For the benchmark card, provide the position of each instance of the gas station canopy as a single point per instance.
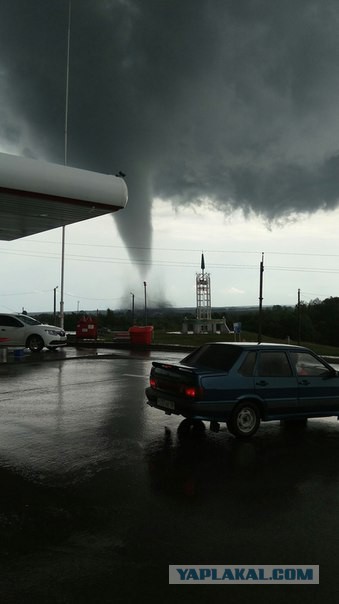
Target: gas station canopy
(36, 196)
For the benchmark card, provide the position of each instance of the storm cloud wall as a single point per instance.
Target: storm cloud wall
(234, 102)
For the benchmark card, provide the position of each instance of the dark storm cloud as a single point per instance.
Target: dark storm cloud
(235, 101)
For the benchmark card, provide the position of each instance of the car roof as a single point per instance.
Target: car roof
(256, 346)
(16, 315)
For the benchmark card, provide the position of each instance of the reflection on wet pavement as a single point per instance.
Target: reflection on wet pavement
(100, 493)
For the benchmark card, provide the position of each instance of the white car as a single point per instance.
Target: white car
(22, 330)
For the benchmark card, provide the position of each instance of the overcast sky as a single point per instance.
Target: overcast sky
(223, 114)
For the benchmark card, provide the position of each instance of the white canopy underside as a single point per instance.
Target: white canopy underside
(36, 196)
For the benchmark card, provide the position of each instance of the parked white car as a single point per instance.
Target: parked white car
(22, 330)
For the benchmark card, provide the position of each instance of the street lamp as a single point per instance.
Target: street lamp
(54, 298)
(132, 307)
(145, 285)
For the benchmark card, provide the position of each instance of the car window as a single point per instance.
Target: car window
(213, 357)
(8, 321)
(306, 364)
(274, 364)
(247, 367)
(29, 320)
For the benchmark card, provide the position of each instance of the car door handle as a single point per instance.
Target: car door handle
(304, 382)
(262, 383)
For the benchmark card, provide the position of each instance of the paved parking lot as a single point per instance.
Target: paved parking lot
(99, 495)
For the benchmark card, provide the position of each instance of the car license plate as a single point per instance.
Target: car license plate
(167, 404)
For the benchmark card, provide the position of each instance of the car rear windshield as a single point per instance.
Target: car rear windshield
(213, 356)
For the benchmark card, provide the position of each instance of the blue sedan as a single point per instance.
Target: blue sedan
(243, 384)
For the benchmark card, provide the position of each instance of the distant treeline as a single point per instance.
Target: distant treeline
(315, 321)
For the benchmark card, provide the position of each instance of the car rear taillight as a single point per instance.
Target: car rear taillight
(152, 382)
(193, 392)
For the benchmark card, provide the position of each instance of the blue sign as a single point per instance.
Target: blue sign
(237, 327)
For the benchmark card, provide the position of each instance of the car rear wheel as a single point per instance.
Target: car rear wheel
(245, 420)
(35, 343)
(191, 426)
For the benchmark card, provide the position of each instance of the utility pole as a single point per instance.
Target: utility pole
(261, 297)
(299, 318)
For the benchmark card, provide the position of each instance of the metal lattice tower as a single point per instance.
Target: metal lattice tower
(203, 290)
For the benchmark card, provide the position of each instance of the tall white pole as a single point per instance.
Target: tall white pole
(67, 78)
(65, 161)
(62, 278)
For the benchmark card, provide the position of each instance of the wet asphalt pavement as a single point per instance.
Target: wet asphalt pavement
(99, 495)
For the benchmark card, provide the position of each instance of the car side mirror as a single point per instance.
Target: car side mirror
(332, 373)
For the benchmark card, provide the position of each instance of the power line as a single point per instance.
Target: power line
(77, 296)
(194, 250)
(171, 264)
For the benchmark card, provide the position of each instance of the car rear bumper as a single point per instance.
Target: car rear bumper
(205, 410)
